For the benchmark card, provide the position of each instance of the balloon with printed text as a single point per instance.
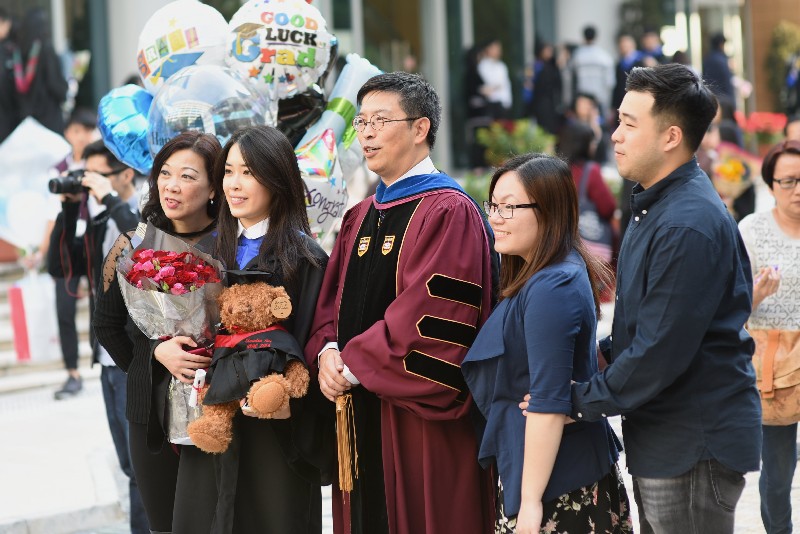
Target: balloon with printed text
(180, 34)
(282, 46)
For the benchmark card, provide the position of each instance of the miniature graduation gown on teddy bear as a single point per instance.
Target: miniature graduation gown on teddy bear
(254, 358)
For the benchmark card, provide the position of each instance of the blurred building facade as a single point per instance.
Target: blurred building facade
(431, 36)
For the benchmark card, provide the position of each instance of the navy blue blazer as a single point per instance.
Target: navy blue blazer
(537, 342)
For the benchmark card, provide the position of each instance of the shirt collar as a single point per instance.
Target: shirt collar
(423, 167)
(642, 199)
(254, 232)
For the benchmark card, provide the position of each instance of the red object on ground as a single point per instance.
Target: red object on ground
(21, 344)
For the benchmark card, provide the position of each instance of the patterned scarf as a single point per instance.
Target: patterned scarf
(23, 81)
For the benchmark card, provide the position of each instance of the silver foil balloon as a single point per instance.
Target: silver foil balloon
(207, 98)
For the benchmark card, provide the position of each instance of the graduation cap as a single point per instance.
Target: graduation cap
(246, 277)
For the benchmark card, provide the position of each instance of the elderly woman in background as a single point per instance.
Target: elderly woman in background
(772, 239)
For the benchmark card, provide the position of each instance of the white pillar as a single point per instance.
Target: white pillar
(126, 20)
(436, 71)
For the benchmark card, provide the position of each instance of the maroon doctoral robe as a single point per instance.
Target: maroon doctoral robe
(405, 290)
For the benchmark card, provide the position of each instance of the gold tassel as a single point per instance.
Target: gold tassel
(346, 442)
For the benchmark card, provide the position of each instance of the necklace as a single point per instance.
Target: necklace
(23, 81)
(196, 233)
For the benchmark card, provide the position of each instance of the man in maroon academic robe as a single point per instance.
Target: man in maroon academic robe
(407, 286)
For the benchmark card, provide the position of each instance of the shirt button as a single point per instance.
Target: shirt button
(623, 417)
(580, 415)
(604, 415)
(644, 212)
(636, 218)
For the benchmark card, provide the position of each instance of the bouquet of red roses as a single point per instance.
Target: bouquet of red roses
(170, 287)
(169, 271)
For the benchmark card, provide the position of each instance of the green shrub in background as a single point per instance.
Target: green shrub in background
(504, 139)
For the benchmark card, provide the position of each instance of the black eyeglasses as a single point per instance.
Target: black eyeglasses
(506, 211)
(359, 123)
(787, 183)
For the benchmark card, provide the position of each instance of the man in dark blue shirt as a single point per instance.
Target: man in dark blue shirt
(681, 372)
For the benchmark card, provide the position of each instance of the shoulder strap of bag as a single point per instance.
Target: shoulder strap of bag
(584, 183)
(768, 364)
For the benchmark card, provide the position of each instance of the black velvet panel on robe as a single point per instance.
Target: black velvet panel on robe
(371, 282)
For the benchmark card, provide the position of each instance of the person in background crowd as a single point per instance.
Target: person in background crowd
(792, 90)
(409, 265)
(717, 72)
(553, 477)
(497, 84)
(576, 144)
(66, 261)
(792, 129)
(477, 105)
(544, 84)
(593, 70)
(9, 106)
(38, 77)
(772, 239)
(681, 371)
(108, 205)
(652, 48)
(629, 57)
(183, 201)
(586, 110)
(709, 157)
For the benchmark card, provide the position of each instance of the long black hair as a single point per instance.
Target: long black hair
(270, 157)
(204, 145)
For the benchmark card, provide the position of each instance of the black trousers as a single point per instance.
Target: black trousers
(178, 489)
(66, 303)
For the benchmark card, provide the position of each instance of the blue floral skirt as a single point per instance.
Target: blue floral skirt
(601, 508)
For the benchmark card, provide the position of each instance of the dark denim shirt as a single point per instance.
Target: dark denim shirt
(681, 374)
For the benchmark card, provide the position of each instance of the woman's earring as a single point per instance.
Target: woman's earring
(211, 201)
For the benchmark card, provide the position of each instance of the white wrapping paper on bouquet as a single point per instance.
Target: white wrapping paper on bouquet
(162, 315)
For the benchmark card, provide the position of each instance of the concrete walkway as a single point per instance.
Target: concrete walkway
(59, 472)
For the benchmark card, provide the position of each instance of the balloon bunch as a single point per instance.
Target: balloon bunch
(265, 66)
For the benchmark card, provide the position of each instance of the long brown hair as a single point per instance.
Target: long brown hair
(270, 157)
(548, 182)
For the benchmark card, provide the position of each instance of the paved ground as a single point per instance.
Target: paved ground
(59, 473)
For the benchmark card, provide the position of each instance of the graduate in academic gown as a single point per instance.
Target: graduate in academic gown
(408, 285)
(269, 478)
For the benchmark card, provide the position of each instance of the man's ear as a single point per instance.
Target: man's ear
(127, 175)
(421, 128)
(673, 137)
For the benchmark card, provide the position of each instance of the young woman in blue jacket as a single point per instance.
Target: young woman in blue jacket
(555, 475)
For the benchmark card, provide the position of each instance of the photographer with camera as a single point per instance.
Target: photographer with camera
(100, 202)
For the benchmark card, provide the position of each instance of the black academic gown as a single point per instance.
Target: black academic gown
(269, 478)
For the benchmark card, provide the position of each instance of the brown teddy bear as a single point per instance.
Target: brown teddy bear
(254, 359)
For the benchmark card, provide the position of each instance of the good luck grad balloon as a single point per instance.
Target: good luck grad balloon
(281, 45)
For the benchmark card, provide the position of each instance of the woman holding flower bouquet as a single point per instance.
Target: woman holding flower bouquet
(183, 202)
(274, 466)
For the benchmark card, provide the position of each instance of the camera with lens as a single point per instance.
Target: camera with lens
(68, 184)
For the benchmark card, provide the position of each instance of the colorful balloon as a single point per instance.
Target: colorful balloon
(281, 45)
(208, 98)
(180, 34)
(122, 118)
(341, 106)
(326, 190)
